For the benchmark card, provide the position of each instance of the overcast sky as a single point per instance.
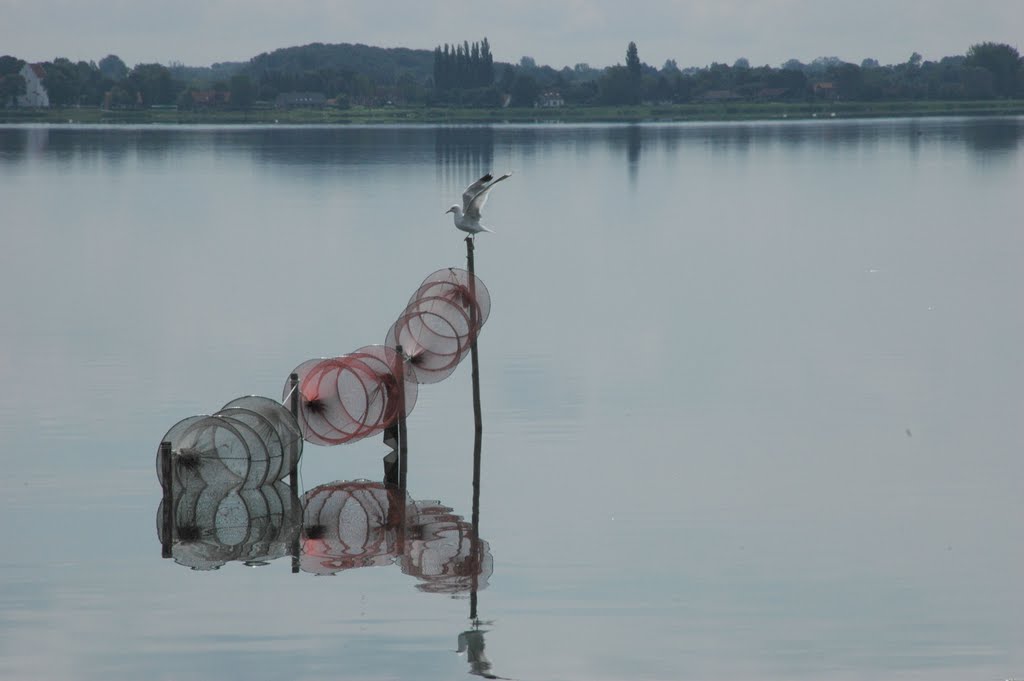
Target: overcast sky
(554, 32)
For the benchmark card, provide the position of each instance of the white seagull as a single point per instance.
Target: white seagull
(467, 217)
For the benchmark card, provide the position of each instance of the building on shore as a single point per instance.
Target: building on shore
(35, 92)
(300, 100)
(549, 99)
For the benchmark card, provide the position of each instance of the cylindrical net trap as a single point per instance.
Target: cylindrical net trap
(348, 525)
(235, 446)
(346, 398)
(283, 423)
(440, 323)
(458, 285)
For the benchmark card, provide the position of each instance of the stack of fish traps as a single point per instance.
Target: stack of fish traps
(227, 469)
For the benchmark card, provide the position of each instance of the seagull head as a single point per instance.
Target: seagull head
(454, 209)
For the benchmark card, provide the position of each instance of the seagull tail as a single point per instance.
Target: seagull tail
(484, 229)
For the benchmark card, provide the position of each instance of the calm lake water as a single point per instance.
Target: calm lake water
(751, 396)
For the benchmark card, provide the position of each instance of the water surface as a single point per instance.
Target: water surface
(751, 395)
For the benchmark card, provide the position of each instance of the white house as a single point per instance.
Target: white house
(549, 99)
(35, 93)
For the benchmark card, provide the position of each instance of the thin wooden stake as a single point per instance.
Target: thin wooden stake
(478, 429)
(168, 488)
(403, 445)
(473, 353)
(293, 475)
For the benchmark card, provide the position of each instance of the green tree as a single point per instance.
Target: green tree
(184, 101)
(632, 60)
(124, 96)
(10, 65)
(113, 68)
(1002, 61)
(848, 78)
(12, 86)
(62, 82)
(463, 67)
(153, 82)
(92, 86)
(661, 90)
(243, 91)
(407, 90)
(486, 67)
(616, 86)
(633, 71)
(977, 82)
(524, 90)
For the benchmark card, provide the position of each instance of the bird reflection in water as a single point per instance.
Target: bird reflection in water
(471, 642)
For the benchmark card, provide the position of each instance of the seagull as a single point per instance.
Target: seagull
(467, 217)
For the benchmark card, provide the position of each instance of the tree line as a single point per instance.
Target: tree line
(987, 70)
(466, 75)
(463, 66)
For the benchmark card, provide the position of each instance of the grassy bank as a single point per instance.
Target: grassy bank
(737, 111)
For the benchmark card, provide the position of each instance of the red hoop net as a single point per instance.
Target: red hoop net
(347, 398)
(458, 285)
(348, 525)
(440, 323)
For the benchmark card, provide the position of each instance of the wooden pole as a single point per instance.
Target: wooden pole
(473, 353)
(391, 458)
(475, 361)
(474, 539)
(167, 472)
(403, 447)
(293, 474)
(477, 430)
(293, 405)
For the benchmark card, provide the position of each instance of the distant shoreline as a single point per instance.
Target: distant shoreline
(710, 112)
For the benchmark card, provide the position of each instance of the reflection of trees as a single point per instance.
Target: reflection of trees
(629, 139)
(999, 135)
(13, 143)
(318, 146)
(462, 152)
(72, 144)
(634, 144)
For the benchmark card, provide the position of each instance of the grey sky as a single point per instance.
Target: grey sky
(555, 32)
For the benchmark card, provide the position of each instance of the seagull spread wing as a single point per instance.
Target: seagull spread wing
(474, 189)
(475, 196)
